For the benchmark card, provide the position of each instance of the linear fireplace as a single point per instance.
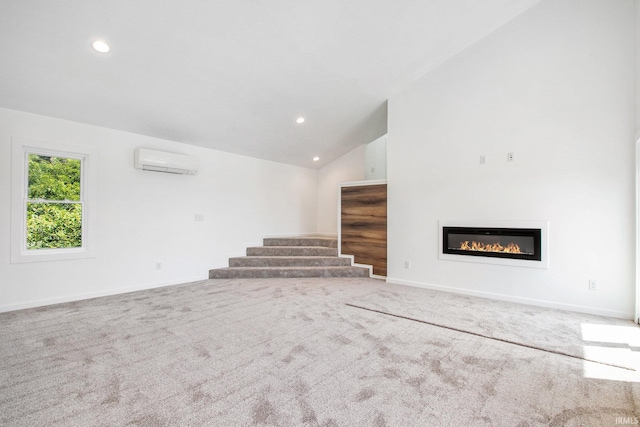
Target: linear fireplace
(514, 243)
(495, 243)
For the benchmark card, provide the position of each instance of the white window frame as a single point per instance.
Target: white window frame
(20, 150)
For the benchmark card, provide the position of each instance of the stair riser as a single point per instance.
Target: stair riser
(291, 251)
(289, 262)
(301, 241)
(268, 273)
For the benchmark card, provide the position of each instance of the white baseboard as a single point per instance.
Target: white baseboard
(323, 234)
(285, 236)
(510, 298)
(90, 295)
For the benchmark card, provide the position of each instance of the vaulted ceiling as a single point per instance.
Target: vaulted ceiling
(234, 75)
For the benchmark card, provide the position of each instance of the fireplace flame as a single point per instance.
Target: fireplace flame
(490, 247)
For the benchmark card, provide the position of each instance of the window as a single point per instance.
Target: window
(52, 204)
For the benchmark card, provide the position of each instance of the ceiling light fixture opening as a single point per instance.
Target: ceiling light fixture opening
(300, 120)
(100, 46)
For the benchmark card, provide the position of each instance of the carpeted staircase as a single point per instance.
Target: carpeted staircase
(291, 257)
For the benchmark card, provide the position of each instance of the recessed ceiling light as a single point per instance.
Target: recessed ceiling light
(300, 120)
(316, 158)
(100, 46)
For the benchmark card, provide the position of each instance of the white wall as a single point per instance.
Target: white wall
(375, 159)
(556, 87)
(147, 217)
(348, 168)
(637, 73)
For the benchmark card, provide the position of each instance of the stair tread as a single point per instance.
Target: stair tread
(285, 256)
(326, 239)
(323, 239)
(304, 267)
(295, 248)
(291, 251)
(288, 272)
(288, 247)
(289, 260)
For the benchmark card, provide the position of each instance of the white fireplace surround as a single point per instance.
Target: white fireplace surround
(544, 245)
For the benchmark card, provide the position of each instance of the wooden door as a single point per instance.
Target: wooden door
(363, 225)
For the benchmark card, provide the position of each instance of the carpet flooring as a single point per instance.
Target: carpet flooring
(313, 352)
(551, 330)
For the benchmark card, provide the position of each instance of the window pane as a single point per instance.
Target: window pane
(54, 225)
(54, 178)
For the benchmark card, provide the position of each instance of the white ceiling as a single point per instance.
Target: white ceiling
(233, 75)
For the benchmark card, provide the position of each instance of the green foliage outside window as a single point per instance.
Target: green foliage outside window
(52, 225)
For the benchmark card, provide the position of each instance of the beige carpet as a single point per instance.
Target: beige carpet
(291, 352)
(562, 332)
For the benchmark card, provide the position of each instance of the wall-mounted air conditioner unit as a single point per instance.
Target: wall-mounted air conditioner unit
(160, 161)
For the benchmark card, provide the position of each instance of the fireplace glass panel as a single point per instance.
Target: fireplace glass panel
(515, 243)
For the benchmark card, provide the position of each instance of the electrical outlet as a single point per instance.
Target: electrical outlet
(593, 285)
(158, 266)
(509, 157)
(483, 160)
(407, 265)
(198, 217)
